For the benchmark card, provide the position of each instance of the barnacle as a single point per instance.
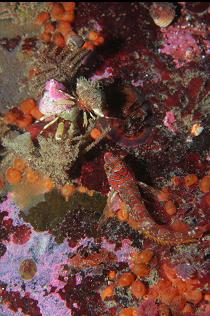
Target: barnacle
(60, 64)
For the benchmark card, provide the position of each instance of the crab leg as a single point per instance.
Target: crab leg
(59, 131)
(51, 123)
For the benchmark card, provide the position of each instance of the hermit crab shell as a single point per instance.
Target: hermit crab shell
(55, 100)
(162, 13)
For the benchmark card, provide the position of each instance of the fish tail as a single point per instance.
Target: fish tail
(165, 236)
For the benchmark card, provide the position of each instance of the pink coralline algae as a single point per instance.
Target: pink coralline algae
(7, 312)
(49, 258)
(52, 304)
(123, 253)
(169, 121)
(180, 44)
(13, 211)
(108, 73)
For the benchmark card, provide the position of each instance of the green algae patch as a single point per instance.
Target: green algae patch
(75, 219)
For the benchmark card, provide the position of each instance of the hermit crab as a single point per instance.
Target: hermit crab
(58, 105)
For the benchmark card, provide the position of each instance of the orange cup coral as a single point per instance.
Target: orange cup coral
(9, 117)
(19, 164)
(27, 105)
(129, 311)
(126, 279)
(25, 121)
(36, 114)
(95, 133)
(42, 18)
(205, 184)
(31, 176)
(190, 180)
(142, 257)
(107, 292)
(138, 289)
(59, 40)
(112, 275)
(57, 11)
(141, 270)
(69, 6)
(13, 175)
(122, 214)
(68, 190)
(170, 208)
(48, 183)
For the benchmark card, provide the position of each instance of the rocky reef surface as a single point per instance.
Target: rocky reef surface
(104, 139)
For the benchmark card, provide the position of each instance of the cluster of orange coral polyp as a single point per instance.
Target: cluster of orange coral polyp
(122, 214)
(58, 23)
(68, 190)
(49, 184)
(175, 292)
(129, 311)
(25, 115)
(94, 39)
(137, 287)
(95, 133)
(163, 195)
(20, 171)
(144, 256)
(13, 176)
(170, 208)
(191, 181)
(126, 279)
(205, 184)
(19, 164)
(108, 292)
(31, 175)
